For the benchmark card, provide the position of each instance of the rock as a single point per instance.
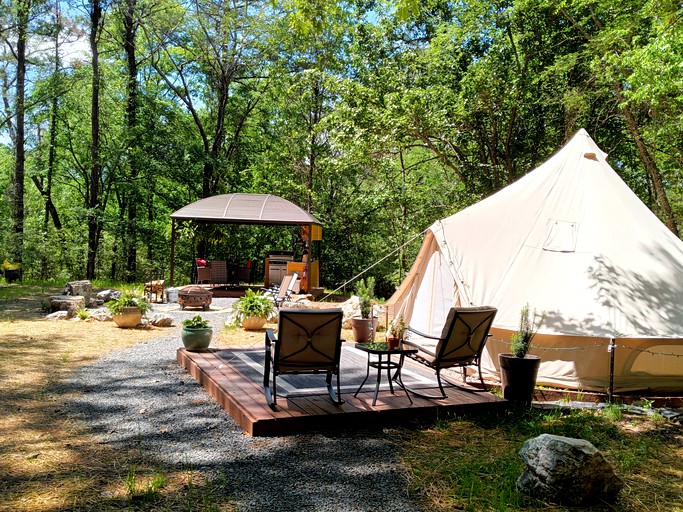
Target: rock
(161, 320)
(107, 295)
(301, 303)
(82, 288)
(93, 302)
(351, 309)
(101, 315)
(71, 303)
(58, 315)
(566, 470)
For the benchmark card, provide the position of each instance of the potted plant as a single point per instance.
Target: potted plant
(128, 309)
(252, 310)
(364, 327)
(11, 271)
(196, 333)
(519, 369)
(397, 332)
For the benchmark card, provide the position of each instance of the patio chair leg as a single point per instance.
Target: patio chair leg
(429, 397)
(481, 379)
(266, 378)
(330, 389)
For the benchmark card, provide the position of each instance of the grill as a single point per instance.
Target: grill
(277, 266)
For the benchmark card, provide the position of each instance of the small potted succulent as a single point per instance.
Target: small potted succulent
(196, 333)
(128, 309)
(253, 310)
(519, 369)
(397, 332)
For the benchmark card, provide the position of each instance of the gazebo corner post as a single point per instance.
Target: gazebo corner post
(309, 251)
(172, 252)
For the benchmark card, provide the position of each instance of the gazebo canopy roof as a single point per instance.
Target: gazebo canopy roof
(246, 209)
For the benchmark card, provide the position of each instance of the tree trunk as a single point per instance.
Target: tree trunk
(93, 198)
(17, 187)
(130, 243)
(650, 165)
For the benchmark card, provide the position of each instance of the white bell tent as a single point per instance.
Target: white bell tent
(571, 239)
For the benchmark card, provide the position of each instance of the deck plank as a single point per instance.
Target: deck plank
(243, 399)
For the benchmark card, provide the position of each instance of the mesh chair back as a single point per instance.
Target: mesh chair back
(308, 340)
(464, 335)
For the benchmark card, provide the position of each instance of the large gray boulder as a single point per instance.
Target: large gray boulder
(566, 470)
(107, 295)
(70, 303)
(82, 288)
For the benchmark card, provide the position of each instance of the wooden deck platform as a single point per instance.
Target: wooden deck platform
(238, 390)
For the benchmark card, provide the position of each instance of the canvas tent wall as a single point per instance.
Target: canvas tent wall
(569, 238)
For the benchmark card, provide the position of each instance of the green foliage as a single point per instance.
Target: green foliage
(83, 313)
(528, 327)
(398, 328)
(252, 304)
(128, 299)
(377, 117)
(196, 322)
(365, 289)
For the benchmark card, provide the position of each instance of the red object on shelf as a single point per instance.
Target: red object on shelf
(201, 262)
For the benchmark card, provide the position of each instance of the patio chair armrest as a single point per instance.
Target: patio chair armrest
(270, 338)
(410, 329)
(419, 347)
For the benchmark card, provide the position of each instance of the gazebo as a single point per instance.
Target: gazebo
(258, 209)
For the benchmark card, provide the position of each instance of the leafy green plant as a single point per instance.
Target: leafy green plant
(366, 292)
(528, 327)
(83, 313)
(196, 322)
(128, 299)
(398, 328)
(366, 289)
(253, 304)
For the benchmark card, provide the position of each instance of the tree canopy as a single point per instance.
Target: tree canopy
(377, 117)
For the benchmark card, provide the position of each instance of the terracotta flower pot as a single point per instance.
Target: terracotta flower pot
(253, 323)
(518, 377)
(129, 317)
(364, 329)
(197, 338)
(392, 342)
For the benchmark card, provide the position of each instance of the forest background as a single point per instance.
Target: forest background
(377, 117)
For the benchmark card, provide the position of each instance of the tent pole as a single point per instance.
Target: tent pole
(610, 349)
(172, 252)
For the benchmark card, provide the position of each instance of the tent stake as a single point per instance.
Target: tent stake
(610, 349)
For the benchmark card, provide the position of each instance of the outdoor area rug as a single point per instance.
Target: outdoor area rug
(353, 371)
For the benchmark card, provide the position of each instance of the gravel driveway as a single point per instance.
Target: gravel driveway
(141, 398)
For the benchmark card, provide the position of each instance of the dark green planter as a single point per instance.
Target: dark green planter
(518, 377)
(196, 339)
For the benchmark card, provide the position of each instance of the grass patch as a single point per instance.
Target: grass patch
(473, 464)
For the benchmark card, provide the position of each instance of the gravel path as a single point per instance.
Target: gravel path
(141, 398)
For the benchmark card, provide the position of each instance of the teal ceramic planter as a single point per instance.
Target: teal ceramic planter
(196, 339)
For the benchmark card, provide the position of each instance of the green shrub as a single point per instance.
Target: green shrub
(196, 322)
(253, 304)
(128, 299)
